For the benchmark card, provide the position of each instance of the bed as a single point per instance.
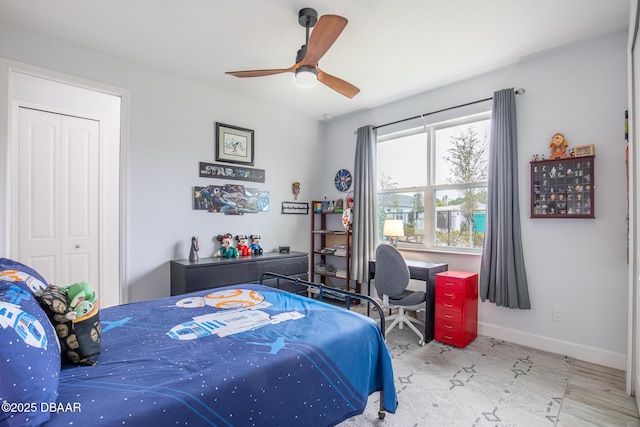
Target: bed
(244, 355)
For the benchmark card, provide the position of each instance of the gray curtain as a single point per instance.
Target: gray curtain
(503, 279)
(365, 204)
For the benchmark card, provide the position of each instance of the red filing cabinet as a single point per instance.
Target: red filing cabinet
(456, 307)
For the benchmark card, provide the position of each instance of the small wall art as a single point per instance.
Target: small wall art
(295, 208)
(585, 150)
(234, 144)
(230, 199)
(241, 173)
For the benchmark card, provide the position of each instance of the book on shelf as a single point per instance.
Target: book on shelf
(325, 268)
(340, 250)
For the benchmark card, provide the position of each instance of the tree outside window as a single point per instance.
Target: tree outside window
(454, 191)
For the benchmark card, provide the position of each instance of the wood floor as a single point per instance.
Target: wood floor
(596, 396)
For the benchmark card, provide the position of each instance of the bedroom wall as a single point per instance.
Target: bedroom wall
(577, 265)
(171, 130)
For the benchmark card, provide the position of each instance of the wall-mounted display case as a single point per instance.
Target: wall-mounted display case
(563, 188)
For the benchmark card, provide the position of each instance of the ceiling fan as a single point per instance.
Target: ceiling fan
(327, 29)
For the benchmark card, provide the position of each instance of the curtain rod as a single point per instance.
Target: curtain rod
(518, 92)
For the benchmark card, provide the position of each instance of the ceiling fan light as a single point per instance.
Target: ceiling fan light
(306, 75)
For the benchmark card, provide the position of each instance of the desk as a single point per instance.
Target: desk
(425, 271)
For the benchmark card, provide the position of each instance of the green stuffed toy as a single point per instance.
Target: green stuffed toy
(82, 297)
(79, 310)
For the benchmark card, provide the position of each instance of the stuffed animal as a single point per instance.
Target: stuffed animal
(78, 292)
(242, 247)
(255, 247)
(226, 250)
(558, 147)
(82, 309)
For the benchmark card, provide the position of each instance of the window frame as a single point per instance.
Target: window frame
(430, 190)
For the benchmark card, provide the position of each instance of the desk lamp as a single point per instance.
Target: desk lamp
(393, 229)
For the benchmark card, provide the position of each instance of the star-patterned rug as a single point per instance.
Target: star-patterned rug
(488, 383)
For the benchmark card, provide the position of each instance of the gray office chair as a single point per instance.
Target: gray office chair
(391, 281)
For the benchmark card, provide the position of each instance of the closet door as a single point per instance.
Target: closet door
(58, 196)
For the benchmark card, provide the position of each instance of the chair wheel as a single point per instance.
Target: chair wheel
(381, 414)
(421, 343)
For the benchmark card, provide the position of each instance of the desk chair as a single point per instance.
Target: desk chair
(391, 281)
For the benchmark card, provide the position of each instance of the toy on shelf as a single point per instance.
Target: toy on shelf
(226, 250)
(242, 247)
(558, 147)
(255, 247)
(193, 254)
(338, 206)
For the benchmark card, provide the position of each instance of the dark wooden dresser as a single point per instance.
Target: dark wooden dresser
(205, 273)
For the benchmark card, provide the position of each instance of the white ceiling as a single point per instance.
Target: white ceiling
(389, 49)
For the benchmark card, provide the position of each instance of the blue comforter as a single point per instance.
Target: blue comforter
(245, 355)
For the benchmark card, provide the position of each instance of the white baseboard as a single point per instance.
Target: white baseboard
(566, 348)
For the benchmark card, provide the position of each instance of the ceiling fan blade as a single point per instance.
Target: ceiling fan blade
(324, 34)
(260, 73)
(339, 85)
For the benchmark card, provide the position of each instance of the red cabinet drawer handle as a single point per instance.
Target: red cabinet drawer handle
(447, 294)
(448, 337)
(448, 284)
(447, 305)
(448, 326)
(448, 316)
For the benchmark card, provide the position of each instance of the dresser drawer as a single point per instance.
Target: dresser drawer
(225, 274)
(451, 283)
(458, 278)
(293, 266)
(450, 316)
(450, 327)
(451, 295)
(452, 337)
(449, 304)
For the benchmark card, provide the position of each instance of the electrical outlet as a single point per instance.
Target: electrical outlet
(557, 314)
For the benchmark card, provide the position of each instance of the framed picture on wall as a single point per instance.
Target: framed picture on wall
(584, 150)
(234, 144)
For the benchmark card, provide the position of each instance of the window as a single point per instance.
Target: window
(435, 180)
